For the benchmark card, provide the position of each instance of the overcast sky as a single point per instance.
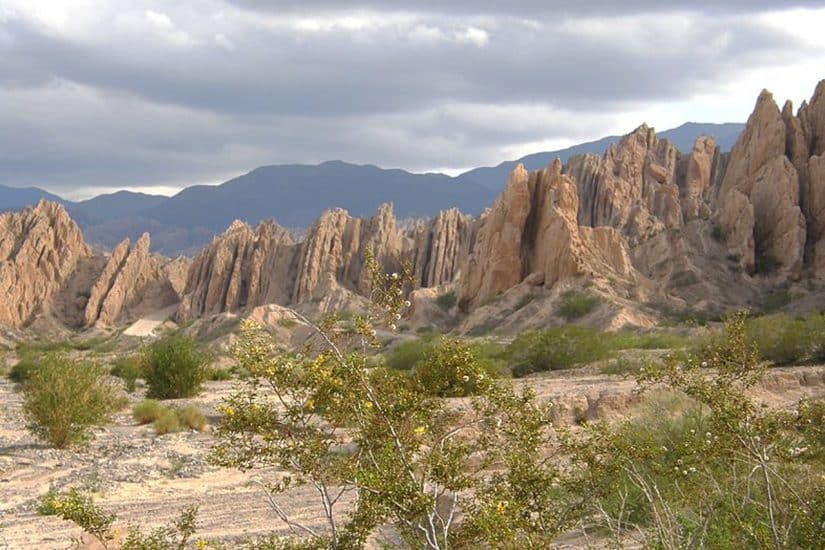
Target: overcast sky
(154, 95)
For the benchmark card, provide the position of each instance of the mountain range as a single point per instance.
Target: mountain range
(295, 195)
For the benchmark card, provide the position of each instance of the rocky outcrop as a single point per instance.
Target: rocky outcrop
(121, 284)
(39, 249)
(532, 232)
(239, 268)
(759, 173)
(442, 246)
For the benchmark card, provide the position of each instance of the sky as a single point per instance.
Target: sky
(153, 95)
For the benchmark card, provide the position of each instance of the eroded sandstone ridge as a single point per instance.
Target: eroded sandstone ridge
(39, 249)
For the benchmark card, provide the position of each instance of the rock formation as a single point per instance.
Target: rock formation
(239, 268)
(532, 232)
(441, 247)
(39, 249)
(124, 280)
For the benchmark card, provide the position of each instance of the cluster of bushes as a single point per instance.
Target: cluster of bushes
(783, 339)
(168, 419)
(64, 398)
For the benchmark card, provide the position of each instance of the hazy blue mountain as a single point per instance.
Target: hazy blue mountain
(494, 177)
(296, 194)
(15, 198)
(113, 206)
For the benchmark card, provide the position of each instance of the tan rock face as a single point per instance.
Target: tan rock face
(442, 245)
(699, 166)
(39, 249)
(532, 233)
(239, 268)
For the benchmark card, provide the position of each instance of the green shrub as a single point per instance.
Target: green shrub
(776, 299)
(447, 300)
(450, 369)
(782, 339)
(622, 366)
(766, 263)
(525, 300)
(174, 367)
(147, 411)
(129, 369)
(216, 374)
(658, 339)
(65, 397)
(192, 417)
(173, 537)
(79, 508)
(167, 422)
(574, 304)
(21, 371)
(287, 323)
(556, 348)
(406, 354)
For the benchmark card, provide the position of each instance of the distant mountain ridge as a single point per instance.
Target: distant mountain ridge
(295, 195)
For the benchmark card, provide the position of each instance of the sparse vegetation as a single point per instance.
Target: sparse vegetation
(64, 398)
(765, 263)
(174, 367)
(622, 366)
(447, 300)
(21, 371)
(79, 508)
(168, 419)
(782, 339)
(718, 233)
(526, 300)
(287, 323)
(407, 354)
(173, 537)
(574, 304)
(129, 369)
(776, 300)
(556, 348)
(217, 374)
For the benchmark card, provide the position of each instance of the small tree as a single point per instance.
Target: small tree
(64, 398)
(382, 442)
(174, 367)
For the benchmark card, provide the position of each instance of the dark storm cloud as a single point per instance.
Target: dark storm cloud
(183, 96)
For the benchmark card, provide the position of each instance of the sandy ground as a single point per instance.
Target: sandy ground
(146, 479)
(146, 325)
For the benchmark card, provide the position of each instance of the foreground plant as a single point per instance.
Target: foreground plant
(385, 445)
(64, 398)
(721, 471)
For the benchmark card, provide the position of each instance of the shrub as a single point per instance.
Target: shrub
(622, 366)
(167, 422)
(556, 348)
(776, 299)
(175, 536)
(406, 354)
(766, 263)
(192, 417)
(217, 374)
(574, 304)
(79, 508)
(65, 397)
(174, 367)
(782, 339)
(147, 411)
(450, 369)
(129, 369)
(447, 300)
(525, 300)
(287, 323)
(626, 339)
(21, 371)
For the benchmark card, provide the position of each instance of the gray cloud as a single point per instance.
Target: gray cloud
(147, 96)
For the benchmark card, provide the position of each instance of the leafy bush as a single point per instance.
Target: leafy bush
(405, 355)
(64, 398)
(776, 299)
(574, 304)
(147, 411)
(622, 366)
(21, 371)
(174, 367)
(556, 348)
(217, 374)
(658, 339)
(447, 300)
(167, 422)
(450, 369)
(173, 537)
(192, 417)
(79, 508)
(129, 369)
